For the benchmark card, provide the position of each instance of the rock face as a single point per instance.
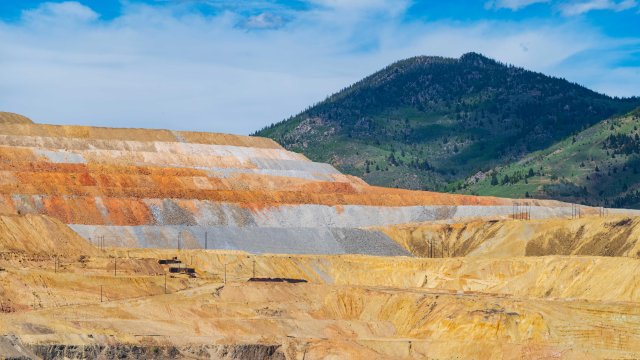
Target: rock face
(136, 352)
(173, 189)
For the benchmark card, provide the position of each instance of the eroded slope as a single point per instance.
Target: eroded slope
(591, 235)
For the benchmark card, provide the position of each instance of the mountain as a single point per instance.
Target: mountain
(598, 166)
(424, 122)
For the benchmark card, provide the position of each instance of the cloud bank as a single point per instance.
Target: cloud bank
(512, 4)
(582, 7)
(245, 66)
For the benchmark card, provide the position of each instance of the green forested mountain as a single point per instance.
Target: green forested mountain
(428, 122)
(597, 166)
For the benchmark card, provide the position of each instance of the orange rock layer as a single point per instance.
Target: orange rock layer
(104, 176)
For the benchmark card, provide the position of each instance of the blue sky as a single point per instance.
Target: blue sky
(236, 66)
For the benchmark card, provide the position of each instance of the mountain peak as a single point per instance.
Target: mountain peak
(476, 59)
(426, 121)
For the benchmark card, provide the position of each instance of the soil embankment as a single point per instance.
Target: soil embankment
(591, 235)
(40, 236)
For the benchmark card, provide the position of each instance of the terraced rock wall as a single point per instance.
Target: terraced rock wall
(161, 188)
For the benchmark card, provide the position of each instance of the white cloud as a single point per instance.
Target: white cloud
(264, 21)
(526, 46)
(157, 67)
(581, 7)
(512, 4)
(386, 5)
(69, 11)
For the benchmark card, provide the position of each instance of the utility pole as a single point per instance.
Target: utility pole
(254, 268)
(115, 266)
(225, 273)
(205, 241)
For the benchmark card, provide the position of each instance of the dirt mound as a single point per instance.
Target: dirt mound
(40, 235)
(11, 118)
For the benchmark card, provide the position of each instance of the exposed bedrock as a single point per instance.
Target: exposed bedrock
(155, 188)
(131, 212)
(12, 348)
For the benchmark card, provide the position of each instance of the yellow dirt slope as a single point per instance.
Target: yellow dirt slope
(11, 118)
(355, 307)
(22, 126)
(597, 236)
(40, 235)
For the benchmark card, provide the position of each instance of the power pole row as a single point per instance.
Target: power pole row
(99, 240)
(445, 250)
(521, 212)
(206, 240)
(576, 211)
(602, 211)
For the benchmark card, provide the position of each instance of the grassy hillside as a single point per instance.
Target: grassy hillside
(424, 122)
(597, 166)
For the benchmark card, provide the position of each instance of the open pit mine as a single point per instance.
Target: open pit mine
(138, 244)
